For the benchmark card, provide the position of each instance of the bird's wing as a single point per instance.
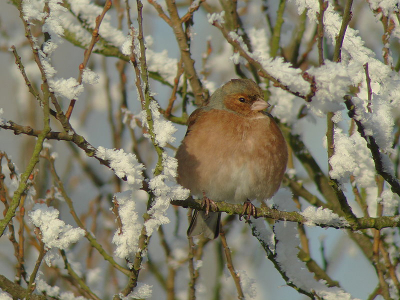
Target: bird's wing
(193, 118)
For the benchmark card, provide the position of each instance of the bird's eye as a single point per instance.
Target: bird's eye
(242, 99)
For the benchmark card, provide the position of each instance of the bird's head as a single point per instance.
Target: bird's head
(241, 96)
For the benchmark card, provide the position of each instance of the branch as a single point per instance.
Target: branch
(271, 255)
(373, 147)
(229, 263)
(88, 52)
(337, 54)
(17, 291)
(71, 136)
(188, 62)
(261, 71)
(275, 214)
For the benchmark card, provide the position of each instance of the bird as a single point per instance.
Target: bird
(233, 151)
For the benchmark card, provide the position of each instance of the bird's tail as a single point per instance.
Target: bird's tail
(208, 225)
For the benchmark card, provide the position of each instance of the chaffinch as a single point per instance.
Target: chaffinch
(233, 151)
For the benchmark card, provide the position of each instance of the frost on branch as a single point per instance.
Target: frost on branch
(157, 62)
(127, 238)
(282, 71)
(380, 122)
(352, 158)
(5, 296)
(163, 129)
(55, 233)
(164, 189)
(286, 249)
(125, 165)
(90, 77)
(248, 285)
(142, 291)
(88, 11)
(332, 81)
(322, 216)
(54, 291)
(53, 25)
(216, 17)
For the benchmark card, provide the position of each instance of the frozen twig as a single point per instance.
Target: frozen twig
(231, 268)
(373, 146)
(275, 214)
(88, 52)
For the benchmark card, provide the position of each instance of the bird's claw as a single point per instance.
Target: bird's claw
(249, 209)
(207, 203)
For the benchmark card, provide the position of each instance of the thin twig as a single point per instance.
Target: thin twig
(373, 147)
(276, 35)
(42, 253)
(172, 99)
(188, 62)
(337, 53)
(79, 281)
(323, 5)
(229, 263)
(261, 71)
(193, 273)
(88, 52)
(368, 79)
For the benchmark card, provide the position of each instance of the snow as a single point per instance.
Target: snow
(332, 81)
(142, 291)
(286, 106)
(259, 42)
(32, 10)
(163, 129)
(160, 62)
(54, 232)
(277, 68)
(54, 291)
(53, 24)
(352, 157)
(125, 165)
(126, 47)
(296, 270)
(387, 6)
(247, 284)
(67, 88)
(390, 202)
(5, 296)
(51, 291)
(88, 11)
(127, 238)
(216, 17)
(321, 215)
(198, 264)
(90, 77)
(380, 123)
(53, 258)
(164, 189)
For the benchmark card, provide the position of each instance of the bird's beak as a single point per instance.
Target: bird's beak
(259, 105)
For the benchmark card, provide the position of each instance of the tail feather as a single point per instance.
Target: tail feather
(208, 225)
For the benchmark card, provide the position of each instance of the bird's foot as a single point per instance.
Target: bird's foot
(207, 203)
(249, 209)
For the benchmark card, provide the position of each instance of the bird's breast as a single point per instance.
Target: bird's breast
(233, 158)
